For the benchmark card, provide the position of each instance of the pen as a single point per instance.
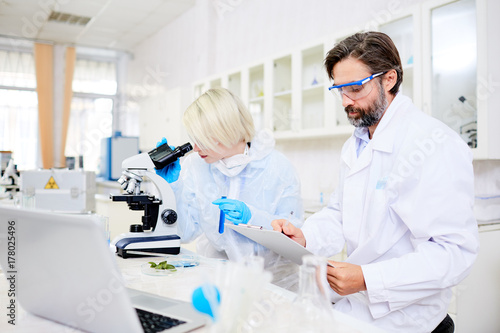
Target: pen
(289, 218)
(221, 218)
(254, 226)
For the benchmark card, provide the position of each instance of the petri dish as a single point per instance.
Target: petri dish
(184, 260)
(148, 270)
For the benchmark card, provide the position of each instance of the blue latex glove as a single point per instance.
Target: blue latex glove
(171, 172)
(235, 211)
(206, 299)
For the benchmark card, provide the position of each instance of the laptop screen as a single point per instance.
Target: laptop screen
(65, 270)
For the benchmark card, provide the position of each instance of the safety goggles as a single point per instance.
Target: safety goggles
(355, 90)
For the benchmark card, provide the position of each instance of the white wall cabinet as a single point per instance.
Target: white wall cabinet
(458, 90)
(443, 49)
(405, 31)
(287, 93)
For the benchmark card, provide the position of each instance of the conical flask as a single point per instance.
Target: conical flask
(313, 309)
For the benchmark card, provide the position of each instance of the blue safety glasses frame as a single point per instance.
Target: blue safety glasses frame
(355, 90)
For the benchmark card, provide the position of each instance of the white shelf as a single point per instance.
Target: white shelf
(313, 88)
(339, 132)
(259, 99)
(283, 93)
(280, 93)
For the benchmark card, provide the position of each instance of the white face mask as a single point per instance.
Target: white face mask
(233, 165)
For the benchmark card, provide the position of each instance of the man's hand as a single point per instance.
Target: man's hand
(345, 278)
(290, 230)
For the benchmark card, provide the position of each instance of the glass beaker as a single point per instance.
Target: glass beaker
(28, 198)
(104, 222)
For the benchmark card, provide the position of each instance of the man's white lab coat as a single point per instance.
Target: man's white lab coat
(404, 210)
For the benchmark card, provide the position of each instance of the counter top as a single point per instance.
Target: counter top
(178, 286)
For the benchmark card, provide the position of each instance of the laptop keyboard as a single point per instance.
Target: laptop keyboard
(153, 322)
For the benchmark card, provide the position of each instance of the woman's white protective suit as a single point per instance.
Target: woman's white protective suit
(268, 185)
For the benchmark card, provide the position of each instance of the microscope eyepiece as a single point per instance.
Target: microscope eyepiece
(164, 155)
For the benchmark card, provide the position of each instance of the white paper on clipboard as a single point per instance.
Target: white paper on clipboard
(273, 240)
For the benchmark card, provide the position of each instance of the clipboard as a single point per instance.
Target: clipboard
(273, 240)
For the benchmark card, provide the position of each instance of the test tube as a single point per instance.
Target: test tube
(222, 218)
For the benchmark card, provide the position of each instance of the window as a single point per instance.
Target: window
(94, 93)
(18, 69)
(95, 77)
(91, 121)
(95, 88)
(18, 108)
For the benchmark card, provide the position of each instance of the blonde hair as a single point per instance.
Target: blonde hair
(218, 116)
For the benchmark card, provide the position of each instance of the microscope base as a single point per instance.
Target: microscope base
(166, 244)
(133, 254)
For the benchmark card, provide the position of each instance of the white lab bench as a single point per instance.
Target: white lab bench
(177, 286)
(476, 305)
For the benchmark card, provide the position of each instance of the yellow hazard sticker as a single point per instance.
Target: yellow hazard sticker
(51, 184)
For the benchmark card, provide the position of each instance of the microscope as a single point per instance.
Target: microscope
(158, 231)
(10, 180)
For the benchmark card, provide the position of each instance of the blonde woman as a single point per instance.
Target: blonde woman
(235, 162)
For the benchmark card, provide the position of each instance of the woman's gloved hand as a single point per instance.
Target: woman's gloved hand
(171, 172)
(235, 211)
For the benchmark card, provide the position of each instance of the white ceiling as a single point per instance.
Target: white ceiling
(114, 24)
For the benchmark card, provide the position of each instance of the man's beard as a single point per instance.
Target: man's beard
(370, 116)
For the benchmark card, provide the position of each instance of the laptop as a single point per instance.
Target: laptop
(66, 272)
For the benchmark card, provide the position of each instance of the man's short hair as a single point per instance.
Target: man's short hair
(375, 49)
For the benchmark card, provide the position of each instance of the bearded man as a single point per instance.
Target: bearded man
(404, 204)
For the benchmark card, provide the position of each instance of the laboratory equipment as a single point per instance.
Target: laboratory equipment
(468, 130)
(235, 211)
(206, 299)
(70, 162)
(10, 179)
(313, 310)
(222, 218)
(5, 157)
(60, 189)
(242, 286)
(164, 155)
(114, 150)
(313, 285)
(158, 231)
